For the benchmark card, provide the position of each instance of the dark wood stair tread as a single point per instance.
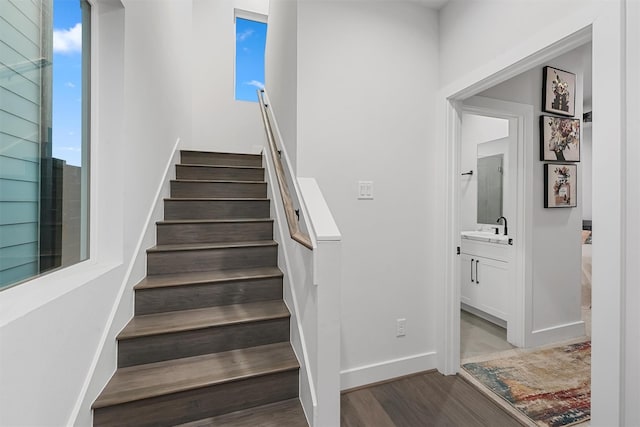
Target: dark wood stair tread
(217, 181)
(189, 157)
(169, 280)
(216, 199)
(205, 246)
(196, 165)
(156, 379)
(219, 199)
(213, 221)
(286, 413)
(221, 153)
(176, 321)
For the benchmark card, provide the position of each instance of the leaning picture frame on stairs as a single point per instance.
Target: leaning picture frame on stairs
(558, 92)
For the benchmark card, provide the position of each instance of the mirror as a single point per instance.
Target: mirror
(490, 187)
(485, 151)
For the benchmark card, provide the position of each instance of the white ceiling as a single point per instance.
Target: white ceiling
(433, 4)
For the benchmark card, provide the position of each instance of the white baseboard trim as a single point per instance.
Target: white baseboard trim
(557, 333)
(368, 374)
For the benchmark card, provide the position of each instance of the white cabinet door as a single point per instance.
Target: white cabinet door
(468, 287)
(491, 279)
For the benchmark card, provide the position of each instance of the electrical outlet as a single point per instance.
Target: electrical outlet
(365, 190)
(401, 327)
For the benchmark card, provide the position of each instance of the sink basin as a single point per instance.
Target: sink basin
(485, 236)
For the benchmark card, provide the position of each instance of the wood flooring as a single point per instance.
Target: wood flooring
(427, 399)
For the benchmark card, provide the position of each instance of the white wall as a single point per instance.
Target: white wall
(52, 328)
(610, 284)
(281, 70)
(476, 130)
(556, 261)
(473, 33)
(156, 93)
(220, 123)
(631, 367)
(367, 72)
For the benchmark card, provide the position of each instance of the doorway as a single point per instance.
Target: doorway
(555, 301)
(493, 131)
(612, 391)
(455, 104)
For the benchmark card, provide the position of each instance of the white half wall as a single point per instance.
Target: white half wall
(367, 75)
(220, 123)
(557, 251)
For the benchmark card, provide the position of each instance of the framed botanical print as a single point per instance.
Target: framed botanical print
(559, 139)
(560, 185)
(559, 92)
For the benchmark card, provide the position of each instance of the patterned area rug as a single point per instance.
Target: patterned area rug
(552, 386)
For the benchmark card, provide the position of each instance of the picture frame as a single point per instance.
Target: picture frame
(558, 92)
(560, 185)
(559, 139)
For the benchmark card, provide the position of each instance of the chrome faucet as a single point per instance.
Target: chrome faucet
(506, 232)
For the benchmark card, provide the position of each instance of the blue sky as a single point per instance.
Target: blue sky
(67, 81)
(251, 38)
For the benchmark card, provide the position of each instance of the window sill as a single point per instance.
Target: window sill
(18, 301)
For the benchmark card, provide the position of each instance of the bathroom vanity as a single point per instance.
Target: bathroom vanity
(485, 272)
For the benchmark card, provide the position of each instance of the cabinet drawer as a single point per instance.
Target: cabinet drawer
(485, 250)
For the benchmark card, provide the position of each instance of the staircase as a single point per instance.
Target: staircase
(209, 342)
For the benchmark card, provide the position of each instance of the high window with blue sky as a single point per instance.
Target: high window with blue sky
(251, 36)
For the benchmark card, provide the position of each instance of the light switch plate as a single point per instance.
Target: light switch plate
(365, 190)
(401, 327)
